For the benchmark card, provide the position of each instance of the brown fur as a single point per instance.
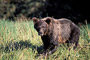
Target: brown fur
(56, 31)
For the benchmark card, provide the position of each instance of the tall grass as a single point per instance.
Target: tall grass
(20, 41)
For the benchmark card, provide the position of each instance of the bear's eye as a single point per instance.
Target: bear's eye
(42, 26)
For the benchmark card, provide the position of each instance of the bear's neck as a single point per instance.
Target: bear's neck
(50, 30)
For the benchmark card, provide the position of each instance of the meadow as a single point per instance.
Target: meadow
(20, 41)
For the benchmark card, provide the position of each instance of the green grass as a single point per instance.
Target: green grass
(20, 41)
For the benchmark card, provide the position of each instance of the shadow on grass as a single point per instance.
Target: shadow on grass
(12, 46)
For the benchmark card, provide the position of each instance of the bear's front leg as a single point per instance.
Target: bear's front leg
(50, 50)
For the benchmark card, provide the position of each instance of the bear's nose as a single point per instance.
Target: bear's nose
(40, 33)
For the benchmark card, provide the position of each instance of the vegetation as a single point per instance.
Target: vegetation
(9, 9)
(20, 41)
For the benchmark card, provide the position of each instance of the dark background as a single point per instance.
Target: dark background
(76, 10)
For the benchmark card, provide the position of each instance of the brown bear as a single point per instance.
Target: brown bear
(56, 31)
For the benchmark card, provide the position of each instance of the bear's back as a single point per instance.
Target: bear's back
(63, 29)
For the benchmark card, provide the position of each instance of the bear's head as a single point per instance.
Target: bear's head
(42, 25)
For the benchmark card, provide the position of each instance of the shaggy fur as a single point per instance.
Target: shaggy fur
(56, 31)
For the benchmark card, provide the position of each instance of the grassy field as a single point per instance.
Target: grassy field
(20, 41)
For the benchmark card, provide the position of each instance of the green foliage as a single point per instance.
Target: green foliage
(16, 8)
(20, 41)
(6, 10)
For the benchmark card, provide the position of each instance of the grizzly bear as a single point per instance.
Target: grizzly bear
(56, 31)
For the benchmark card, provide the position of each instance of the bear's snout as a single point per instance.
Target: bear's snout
(40, 33)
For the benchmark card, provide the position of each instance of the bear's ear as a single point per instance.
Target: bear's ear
(48, 20)
(35, 19)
